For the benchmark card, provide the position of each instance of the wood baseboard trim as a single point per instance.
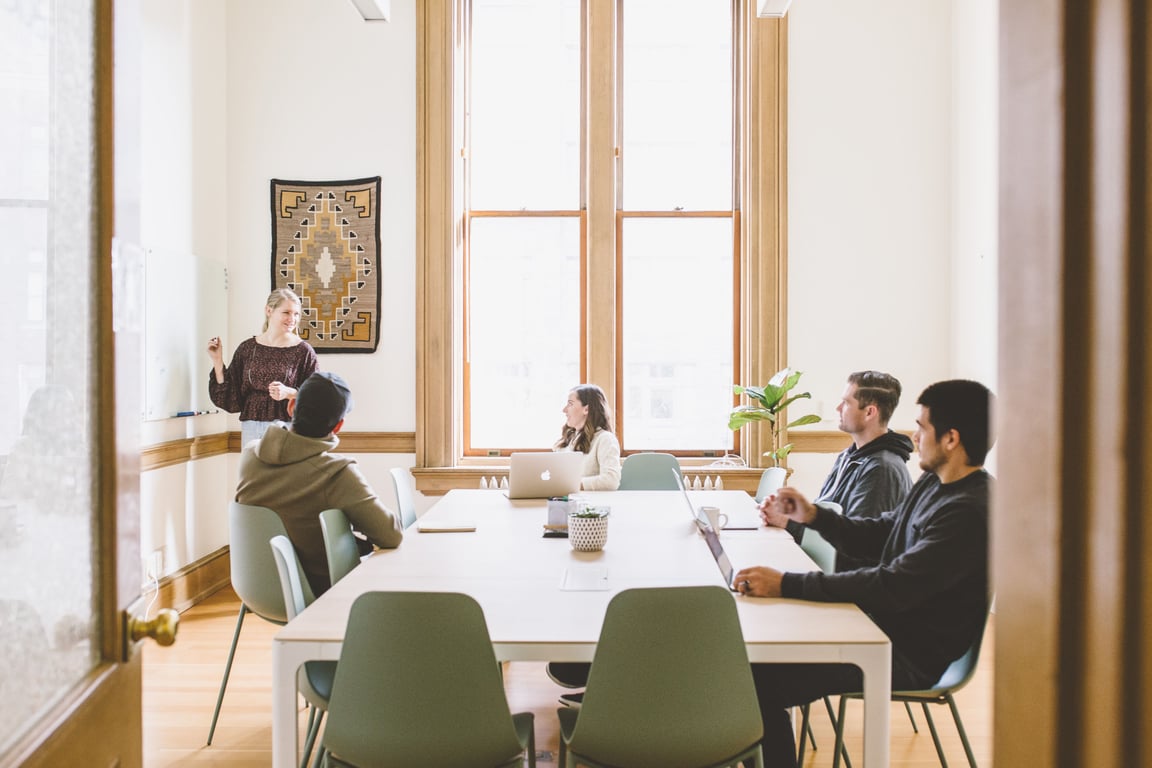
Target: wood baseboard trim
(195, 582)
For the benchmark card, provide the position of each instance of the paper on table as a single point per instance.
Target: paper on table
(445, 526)
(586, 578)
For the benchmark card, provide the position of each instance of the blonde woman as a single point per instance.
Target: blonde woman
(265, 370)
(588, 429)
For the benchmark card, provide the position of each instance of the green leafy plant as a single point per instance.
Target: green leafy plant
(591, 512)
(768, 404)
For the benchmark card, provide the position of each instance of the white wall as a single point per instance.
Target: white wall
(239, 93)
(183, 211)
(891, 197)
(315, 93)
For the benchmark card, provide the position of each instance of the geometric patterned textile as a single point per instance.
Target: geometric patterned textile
(326, 248)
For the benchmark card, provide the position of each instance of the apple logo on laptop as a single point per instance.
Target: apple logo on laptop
(546, 475)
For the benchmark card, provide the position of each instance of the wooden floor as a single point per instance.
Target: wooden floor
(181, 682)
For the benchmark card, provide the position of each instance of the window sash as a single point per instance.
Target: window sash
(761, 197)
(486, 344)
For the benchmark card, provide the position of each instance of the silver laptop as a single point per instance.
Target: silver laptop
(542, 474)
(745, 519)
(719, 555)
(697, 518)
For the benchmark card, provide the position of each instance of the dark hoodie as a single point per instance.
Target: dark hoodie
(866, 482)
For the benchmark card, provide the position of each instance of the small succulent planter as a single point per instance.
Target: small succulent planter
(588, 529)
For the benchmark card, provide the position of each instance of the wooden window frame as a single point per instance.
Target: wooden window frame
(762, 192)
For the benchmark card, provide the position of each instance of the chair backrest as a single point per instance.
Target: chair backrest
(418, 685)
(405, 498)
(771, 479)
(664, 690)
(961, 671)
(314, 679)
(291, 575)
(818, 548)
(339, 544)
(254, 575)
(649, 472)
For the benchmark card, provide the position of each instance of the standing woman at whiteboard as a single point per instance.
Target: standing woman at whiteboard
(266, 369)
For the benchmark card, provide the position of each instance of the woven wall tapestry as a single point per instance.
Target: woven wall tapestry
(326, 248)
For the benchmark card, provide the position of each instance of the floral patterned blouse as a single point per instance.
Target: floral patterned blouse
(255, 366)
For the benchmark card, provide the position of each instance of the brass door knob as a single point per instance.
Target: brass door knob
(162, 629)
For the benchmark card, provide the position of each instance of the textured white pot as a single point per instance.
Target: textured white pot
(588, 534)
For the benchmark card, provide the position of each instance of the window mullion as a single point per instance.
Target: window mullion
(599, 113)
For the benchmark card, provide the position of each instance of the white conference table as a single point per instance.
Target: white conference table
(516, 574)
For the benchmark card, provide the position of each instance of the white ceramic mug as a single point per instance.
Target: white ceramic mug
(717, 519)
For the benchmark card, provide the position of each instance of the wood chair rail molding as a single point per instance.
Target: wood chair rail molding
(435, 481)
(182, 451)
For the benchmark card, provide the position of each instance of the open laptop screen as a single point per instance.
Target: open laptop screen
(719, 555)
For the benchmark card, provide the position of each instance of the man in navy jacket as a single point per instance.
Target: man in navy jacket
(871, 475)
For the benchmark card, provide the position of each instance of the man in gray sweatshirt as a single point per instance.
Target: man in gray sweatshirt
(293, 471)
(871, 475)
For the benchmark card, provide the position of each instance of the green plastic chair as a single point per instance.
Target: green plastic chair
(314, 680)
(770, 481)
(824, 555)
(405, 500)
(649, 472)
(670, 685)
(954, 678)
(254, 576)
(339, 544)
(418, 686)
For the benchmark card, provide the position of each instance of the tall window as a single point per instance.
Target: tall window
(541, 296)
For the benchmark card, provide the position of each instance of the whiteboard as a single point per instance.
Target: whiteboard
(185, 304)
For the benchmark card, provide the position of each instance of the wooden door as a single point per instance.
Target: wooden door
(69, 491)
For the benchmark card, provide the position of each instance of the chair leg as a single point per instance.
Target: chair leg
(805, 730)
(315, 717)
(839, 723)
(911, 717)
(935, 735)
(842, 751)
(227, 671)
(961, 731)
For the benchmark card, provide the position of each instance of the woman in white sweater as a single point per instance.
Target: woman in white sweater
(588, 429)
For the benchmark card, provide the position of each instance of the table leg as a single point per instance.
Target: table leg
(284, 720)
(876, 663)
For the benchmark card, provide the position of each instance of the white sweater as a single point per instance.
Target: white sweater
(601, 463)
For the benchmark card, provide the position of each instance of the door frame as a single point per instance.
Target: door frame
(99, 721)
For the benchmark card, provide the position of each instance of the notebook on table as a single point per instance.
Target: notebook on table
(543, 474)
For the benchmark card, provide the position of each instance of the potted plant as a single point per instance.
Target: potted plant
(588, 528)
(768, 404)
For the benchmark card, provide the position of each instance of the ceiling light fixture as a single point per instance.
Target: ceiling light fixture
(373, 10)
